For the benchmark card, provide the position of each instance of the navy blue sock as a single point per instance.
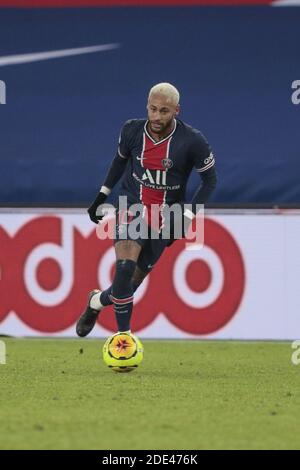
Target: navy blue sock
(105, 297)
(122, 293)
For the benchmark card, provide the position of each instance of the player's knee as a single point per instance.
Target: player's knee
(127, 249)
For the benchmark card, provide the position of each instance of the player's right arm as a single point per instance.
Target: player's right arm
(114, 174)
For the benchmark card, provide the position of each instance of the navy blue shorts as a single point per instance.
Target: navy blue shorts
(152, 248)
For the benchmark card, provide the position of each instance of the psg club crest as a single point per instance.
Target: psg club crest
(167, 163)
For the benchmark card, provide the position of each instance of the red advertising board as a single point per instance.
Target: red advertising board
(49, 265)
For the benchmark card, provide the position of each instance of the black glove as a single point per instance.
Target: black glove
(95, 215)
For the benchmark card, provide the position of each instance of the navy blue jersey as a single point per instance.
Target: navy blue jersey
(157, 172)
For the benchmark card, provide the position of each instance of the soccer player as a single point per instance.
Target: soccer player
(155, 157)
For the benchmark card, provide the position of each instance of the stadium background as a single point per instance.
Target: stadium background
(59, 129)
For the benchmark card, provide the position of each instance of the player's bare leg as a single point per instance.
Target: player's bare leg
(127, 249)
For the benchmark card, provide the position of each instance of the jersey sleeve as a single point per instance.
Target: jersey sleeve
(124, 141)
(202, 155)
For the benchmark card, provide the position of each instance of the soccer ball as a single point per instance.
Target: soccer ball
(123, 352)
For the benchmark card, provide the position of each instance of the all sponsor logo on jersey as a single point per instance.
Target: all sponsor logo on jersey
(155, 176)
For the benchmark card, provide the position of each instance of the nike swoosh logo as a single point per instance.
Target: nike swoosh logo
(39, 56)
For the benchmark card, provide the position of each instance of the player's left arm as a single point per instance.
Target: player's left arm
(205, 165)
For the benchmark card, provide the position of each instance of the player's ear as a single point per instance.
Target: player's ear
(177, 109)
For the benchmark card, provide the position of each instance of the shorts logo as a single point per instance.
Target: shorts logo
(167, 163)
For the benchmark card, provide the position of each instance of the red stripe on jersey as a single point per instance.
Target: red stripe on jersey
(152, 159)
(151, 197)
(155, 153)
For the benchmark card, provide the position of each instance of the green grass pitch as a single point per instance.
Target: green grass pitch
(58, 394)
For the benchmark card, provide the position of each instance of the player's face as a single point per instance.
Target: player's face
(161, 114)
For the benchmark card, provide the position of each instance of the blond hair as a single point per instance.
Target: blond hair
(167, 90)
